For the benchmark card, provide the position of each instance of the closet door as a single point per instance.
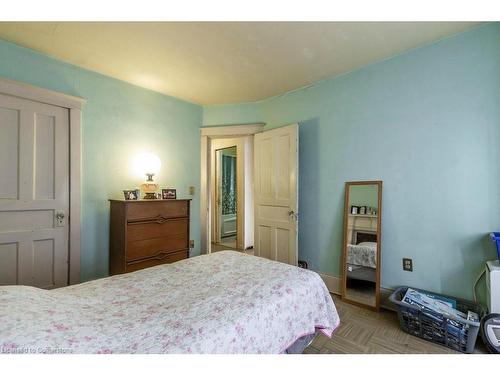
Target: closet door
(34, 193)
(276, 194)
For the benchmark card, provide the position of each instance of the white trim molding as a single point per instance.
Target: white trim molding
(207, 135)
(74, 105)
(75, 185)
(231, 130)
(332, 283)
(25, 91)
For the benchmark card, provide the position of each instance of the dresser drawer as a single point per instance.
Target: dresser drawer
(152, 246)
(156, 261)
(145, 211)
(154, 229)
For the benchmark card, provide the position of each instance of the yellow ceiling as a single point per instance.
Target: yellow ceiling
(224, 62)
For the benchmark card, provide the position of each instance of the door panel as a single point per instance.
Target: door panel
(263, 153)
(34, 158)
(276, 198)
(9, 253)
(43, 260)
(263, 241)
(44, 156)
(282, 245)
(9, 140)
(14, 221)
(282, 165)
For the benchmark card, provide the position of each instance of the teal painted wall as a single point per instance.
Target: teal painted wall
(429, 124)
(228, 114)
(119, 121)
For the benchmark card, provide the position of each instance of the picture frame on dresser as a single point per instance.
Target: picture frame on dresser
(168, 193)
(147, 233)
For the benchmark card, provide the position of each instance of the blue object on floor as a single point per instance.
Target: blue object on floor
(495, 237)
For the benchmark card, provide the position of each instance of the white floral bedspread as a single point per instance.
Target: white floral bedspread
(363, 254)
(225, 302)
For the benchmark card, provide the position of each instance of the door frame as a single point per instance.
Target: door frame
(208, 134)
(215, 224)
(74, 105)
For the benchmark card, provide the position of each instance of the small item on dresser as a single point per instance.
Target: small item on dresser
(169, 193)
(369, 210)
(149, 165)
(131, 195)
(362, 210)
(354, 210)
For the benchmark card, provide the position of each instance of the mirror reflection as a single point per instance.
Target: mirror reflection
(362, 242)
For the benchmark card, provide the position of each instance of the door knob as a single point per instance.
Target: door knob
(60, 218)
(293, 214)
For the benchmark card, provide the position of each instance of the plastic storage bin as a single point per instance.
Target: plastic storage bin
(451, 331)
(495, 237)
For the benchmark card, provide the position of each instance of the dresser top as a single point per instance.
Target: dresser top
(147, 200)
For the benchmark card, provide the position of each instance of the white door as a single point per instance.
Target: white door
(34, 193)
(276, 194)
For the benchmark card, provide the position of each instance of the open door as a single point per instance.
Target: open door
(276, 194)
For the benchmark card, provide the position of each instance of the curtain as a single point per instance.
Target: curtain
(228, 184)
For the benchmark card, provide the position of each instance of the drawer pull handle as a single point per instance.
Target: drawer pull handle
(160, 257)
(157, 219)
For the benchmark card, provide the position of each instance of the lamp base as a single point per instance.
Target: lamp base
(150, 196)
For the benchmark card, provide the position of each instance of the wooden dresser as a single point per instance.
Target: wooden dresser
(147, 233)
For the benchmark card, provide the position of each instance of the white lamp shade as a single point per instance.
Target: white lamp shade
(146, 163)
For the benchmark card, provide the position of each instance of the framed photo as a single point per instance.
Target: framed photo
(355, 210)
(362, 210)
(168, 194)
(131, 195)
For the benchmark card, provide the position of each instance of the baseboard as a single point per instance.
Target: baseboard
(384, 299)
(333, 283)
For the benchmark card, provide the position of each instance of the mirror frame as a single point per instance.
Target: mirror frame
(379, 244)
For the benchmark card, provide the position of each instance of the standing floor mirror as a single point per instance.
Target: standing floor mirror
(362, 245)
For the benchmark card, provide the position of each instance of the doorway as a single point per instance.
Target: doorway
(231, 213)
(226, 197)
(266, 186)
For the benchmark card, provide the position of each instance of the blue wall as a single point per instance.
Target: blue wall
(119, 121)
(427, 123)
(241, 113)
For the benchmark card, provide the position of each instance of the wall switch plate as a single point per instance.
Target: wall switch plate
(408, 264)
(191, 244)
(191, 190)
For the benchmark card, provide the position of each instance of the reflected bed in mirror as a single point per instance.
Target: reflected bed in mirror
(361, 249)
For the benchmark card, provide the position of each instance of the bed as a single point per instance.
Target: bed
(226, 302)
(362, 261)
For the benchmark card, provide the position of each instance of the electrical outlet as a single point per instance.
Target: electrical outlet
(191, 244)
(408, 264)
(191, 190)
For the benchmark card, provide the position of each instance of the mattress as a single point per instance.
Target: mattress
(225, 302)
(363, 254)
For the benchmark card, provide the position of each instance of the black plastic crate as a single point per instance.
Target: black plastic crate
(451, 331)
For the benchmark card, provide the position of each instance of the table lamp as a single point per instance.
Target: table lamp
(148, 164)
